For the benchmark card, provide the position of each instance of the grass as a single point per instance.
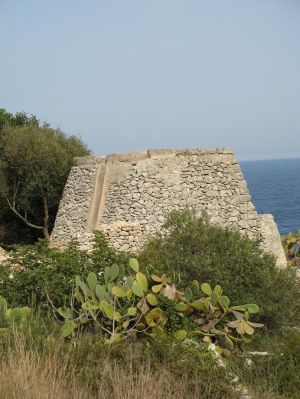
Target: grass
(39, 365)
(28, 375)
(29, 372)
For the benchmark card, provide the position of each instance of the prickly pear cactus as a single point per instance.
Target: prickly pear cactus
(12, 317)
(126, 305)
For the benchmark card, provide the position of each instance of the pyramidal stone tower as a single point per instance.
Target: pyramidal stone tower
(127, 196)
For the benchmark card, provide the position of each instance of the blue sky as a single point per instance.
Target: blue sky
(128, 75)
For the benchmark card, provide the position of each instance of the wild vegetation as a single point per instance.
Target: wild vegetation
(148, 315)
(200, 251)
(200, 312)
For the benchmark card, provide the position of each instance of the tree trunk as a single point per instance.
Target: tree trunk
(44, 228)
(46, 218)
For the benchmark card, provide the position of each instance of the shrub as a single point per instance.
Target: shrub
(194, 249)
(35, 272)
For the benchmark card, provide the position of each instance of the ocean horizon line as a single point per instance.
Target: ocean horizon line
(268, 159)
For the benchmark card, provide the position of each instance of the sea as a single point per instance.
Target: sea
(274, 186)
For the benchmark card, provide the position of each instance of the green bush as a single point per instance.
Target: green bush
(194, 249)
(50, 272)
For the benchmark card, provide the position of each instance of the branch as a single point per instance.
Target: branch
(23, 218)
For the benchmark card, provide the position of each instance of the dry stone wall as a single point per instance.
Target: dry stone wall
(129, 195)
(72, 216)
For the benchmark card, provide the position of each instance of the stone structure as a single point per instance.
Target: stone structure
(128, 196)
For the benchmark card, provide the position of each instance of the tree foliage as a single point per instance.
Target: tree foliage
(19, 119)
(35, 162)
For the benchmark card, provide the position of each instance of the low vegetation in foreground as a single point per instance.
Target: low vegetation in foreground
(201, 312)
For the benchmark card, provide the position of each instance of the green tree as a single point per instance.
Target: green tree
(34, 165)
(19, 119)
(11, 229)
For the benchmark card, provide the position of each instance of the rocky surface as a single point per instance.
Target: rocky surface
(73, 211)
(128, 196)
(271, 239)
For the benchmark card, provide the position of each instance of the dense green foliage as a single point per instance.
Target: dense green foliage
(13, 230)
(35, 163)
(17, 120)
(49, 272)
(194, 249)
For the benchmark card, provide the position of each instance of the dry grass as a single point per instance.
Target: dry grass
(28, 374)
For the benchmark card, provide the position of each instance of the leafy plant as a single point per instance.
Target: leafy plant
(130, 308)
(217, 320)
(121, 308)
(45, 272)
